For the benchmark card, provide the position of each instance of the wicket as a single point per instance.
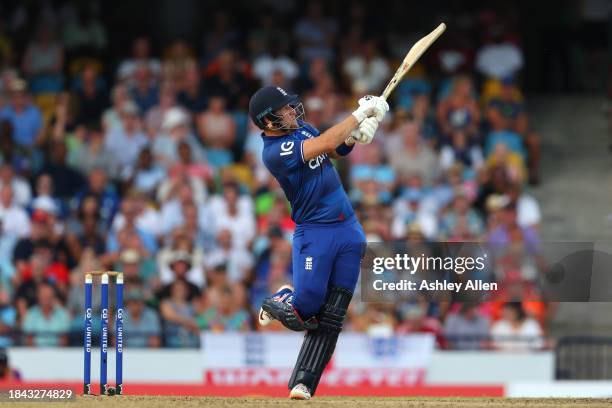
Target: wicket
(87, 343)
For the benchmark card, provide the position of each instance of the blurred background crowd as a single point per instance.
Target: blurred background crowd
(131, 150)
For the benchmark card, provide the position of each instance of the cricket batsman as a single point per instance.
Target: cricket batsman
(328, 243)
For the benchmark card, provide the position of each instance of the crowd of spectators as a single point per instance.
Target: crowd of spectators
(149, 165)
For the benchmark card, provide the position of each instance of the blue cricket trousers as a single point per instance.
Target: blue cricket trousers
(325, 255)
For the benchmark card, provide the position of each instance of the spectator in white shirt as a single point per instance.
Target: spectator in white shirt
(234, 212)
(22, 193)
(265, 66)
(237, 260)
(126, 143)
(141, 54)
(499, 58)
(14, 218)
(527, 208)
(367, 71)
(516, 331)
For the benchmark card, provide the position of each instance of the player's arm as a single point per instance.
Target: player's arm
(329, 140)
(334, 140)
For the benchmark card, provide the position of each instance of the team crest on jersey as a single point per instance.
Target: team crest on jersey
(308, 263)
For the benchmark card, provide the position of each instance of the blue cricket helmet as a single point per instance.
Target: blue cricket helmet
(267, 100)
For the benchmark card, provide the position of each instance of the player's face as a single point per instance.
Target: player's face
(288, 117)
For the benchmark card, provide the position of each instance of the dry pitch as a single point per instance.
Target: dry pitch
(326, 402)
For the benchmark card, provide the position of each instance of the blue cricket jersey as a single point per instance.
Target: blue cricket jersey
(312, 187)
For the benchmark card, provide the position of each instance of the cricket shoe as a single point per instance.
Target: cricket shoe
(300, 392)
(282, 295)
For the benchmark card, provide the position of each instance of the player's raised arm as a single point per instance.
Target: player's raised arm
(370, 107)
(279, 113)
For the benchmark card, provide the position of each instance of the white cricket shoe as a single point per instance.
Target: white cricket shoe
(281, 295)
(300, 392)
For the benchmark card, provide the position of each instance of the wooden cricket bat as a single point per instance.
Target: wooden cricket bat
(412, 57)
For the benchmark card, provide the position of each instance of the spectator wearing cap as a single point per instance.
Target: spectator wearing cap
(14, 218)
(129, 263)
(47, 323)
(176, 128)
(217, 130)
(141, 324)
(125, 144)
(179, 266)
(25, 117)
(22, 193)
(180, 269)
(182, 255)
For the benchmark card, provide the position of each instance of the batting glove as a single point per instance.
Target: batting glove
(364, 134)
(379, 105)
